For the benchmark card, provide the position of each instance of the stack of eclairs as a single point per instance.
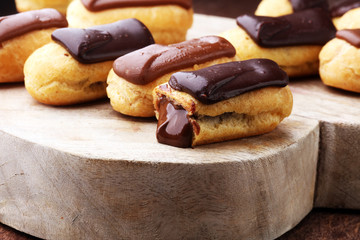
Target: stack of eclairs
(204, 90)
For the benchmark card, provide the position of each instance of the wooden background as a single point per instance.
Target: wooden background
(321, 223)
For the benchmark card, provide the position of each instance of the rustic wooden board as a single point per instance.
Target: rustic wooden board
(338, 112)
(338, 180)
(88, 172)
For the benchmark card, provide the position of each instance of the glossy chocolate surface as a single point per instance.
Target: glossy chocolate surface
(145, 65)
(299, 5)
(104, 42)
(340, 7)
(18, 24)
(308, 27)
(223, 81)
(174, 127)
(352, 36)
(98, 5)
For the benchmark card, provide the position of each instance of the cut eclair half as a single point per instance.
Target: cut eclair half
(222, 102)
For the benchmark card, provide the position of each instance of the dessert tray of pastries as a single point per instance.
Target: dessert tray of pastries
(142, 120)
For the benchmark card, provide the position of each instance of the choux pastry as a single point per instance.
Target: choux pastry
(167, 20)
(222, 102)
(20, 35)
(74, 68)
(135, 75)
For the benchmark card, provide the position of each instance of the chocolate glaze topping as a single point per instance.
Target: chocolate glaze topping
(174, 127)
(352, 36)
(223, 81)
(104, 42)
(145, 65)
(340, 7)
(312, 26)
(98, 5)
(15, 25)
(299, 5)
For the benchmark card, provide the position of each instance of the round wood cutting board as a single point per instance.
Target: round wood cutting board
(87, 172)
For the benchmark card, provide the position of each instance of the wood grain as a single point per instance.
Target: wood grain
(55, 185)
(338, 113)
(327, 224)
(88, 172)
(338, 180)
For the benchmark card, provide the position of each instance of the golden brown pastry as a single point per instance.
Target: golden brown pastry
(339, 61)
(167, 20)
(28, 5)
(288, 40)
(135, 75)
(222, 102)
(276, 8)
(74, 68)
(349, 20)
(20, 35)
(344, 13)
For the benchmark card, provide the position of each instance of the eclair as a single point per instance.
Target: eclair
(135, 75)
(167, 20)
(346, 14)
(339, 61)
(222, 102)
(73, 69)
(276, 8)
(28, 5)
(20, 35)
(293, 41)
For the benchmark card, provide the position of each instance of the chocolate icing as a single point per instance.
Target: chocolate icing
(104, 42)
(174, 127)
(145, 65)
(98, 5)
(18, 24)
(340, 7)
(352, 36)
(223, 81)
(299, 5)
(308, 27)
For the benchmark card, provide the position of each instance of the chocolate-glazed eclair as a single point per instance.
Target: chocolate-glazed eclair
(293, 41)
(74, 68)
(276, 8)
(167, 20)
(20, 35)
(339, 61)
(346, 14)
(136, 74)
(222, 102)
(28, 5)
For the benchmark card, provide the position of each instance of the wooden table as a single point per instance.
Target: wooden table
(320, 223)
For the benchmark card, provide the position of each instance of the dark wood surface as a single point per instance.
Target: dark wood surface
(320, 224)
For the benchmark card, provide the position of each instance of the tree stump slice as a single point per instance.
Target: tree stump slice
(87, 172)
(338, 113)
(338, 180)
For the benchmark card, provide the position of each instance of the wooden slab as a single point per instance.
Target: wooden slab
(89, 173)
(338, 112)
(338, 181)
